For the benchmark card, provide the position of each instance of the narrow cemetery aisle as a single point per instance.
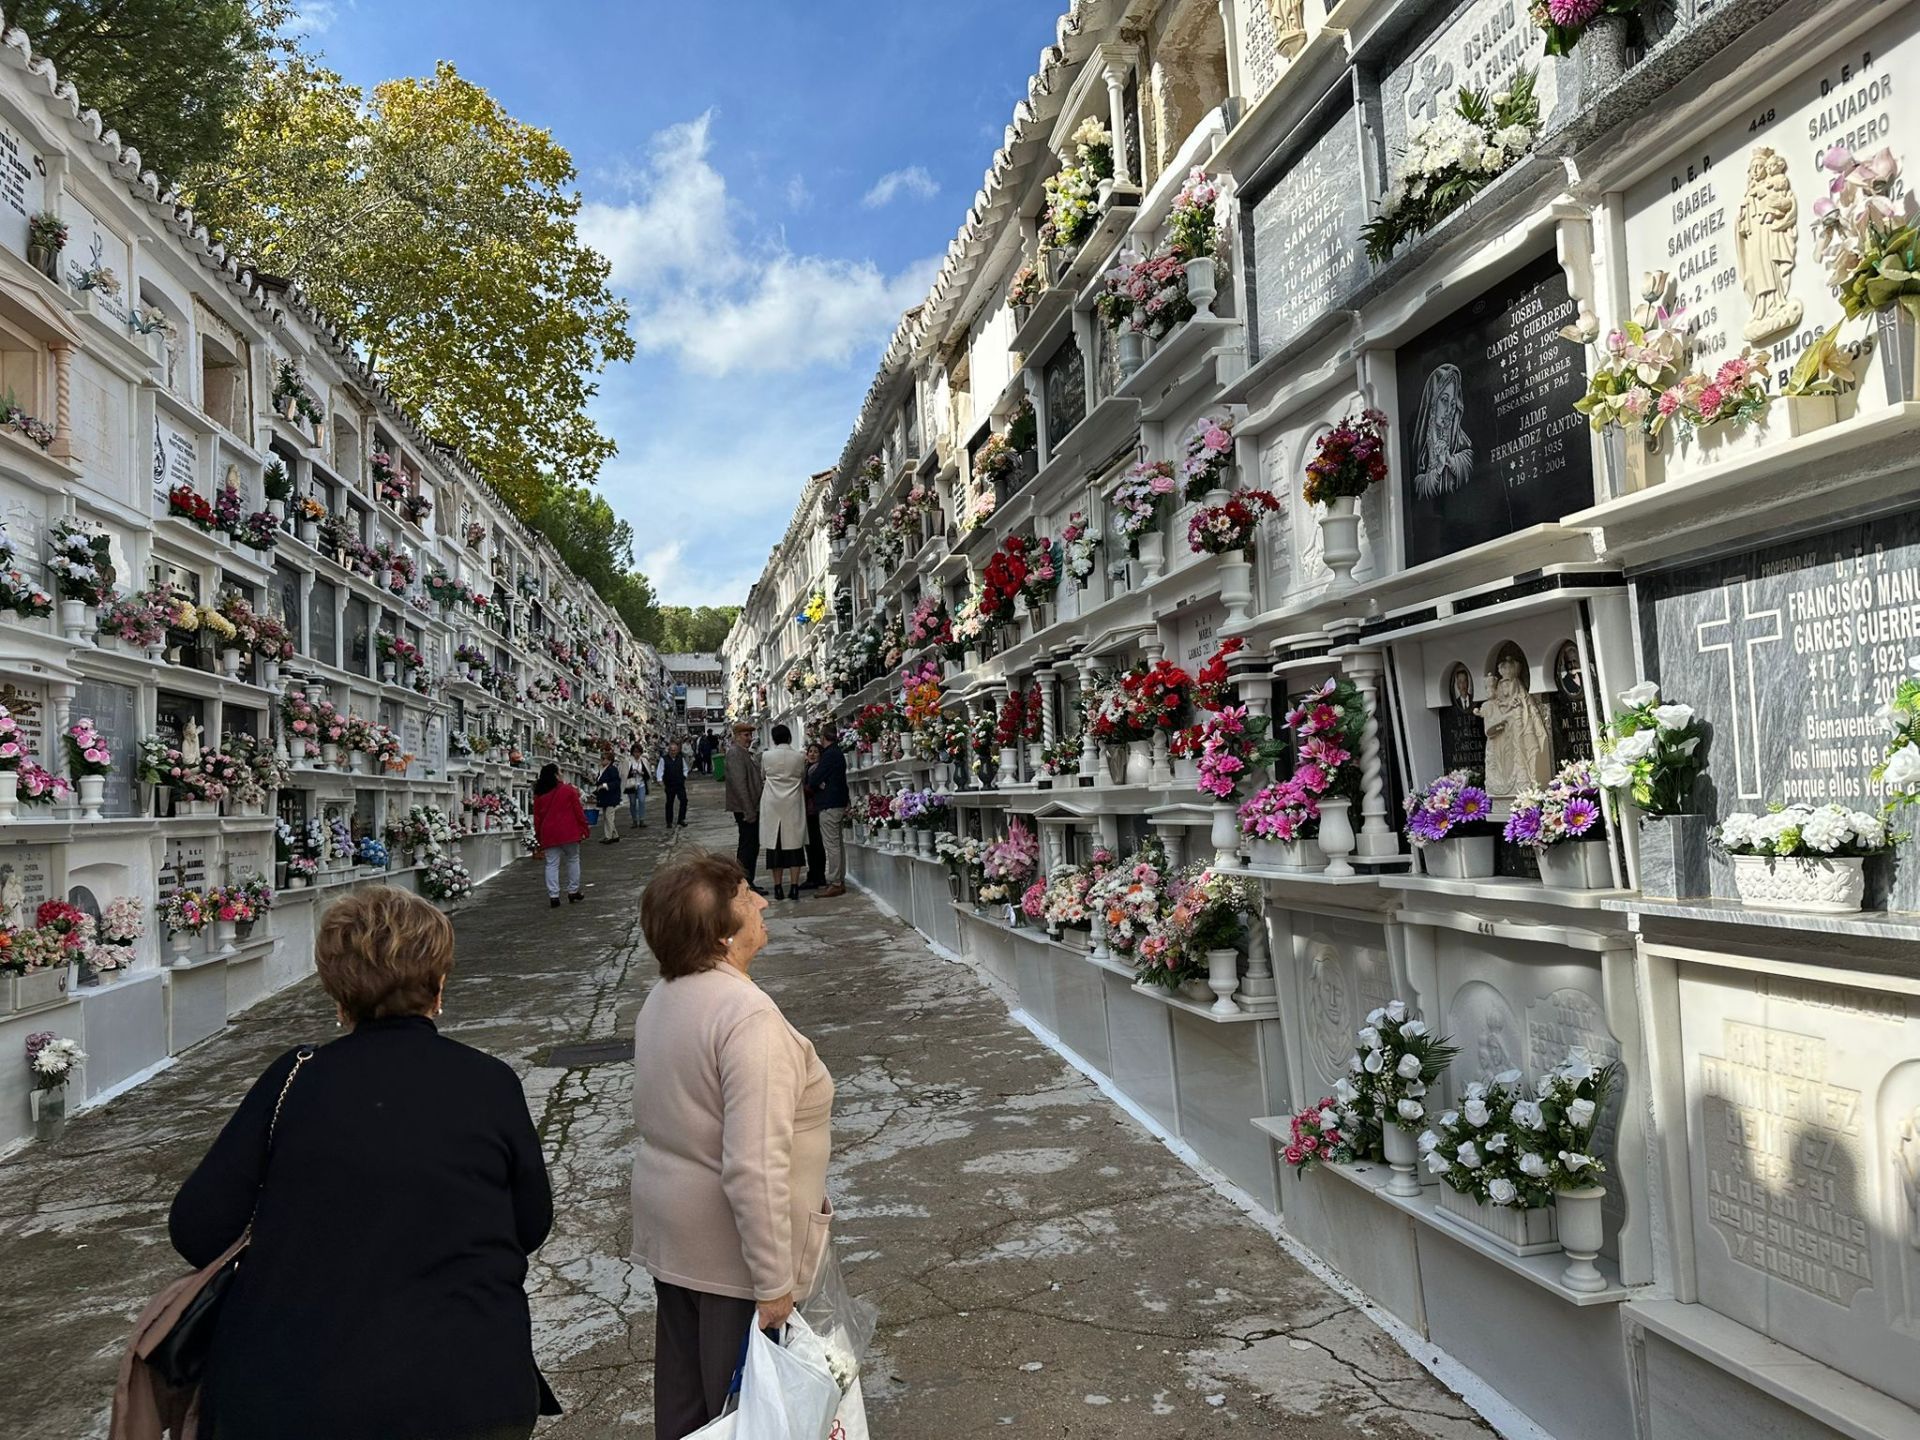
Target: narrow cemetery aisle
(1041, 1263)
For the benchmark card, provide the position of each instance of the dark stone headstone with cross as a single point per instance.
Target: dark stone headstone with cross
(1787, 652)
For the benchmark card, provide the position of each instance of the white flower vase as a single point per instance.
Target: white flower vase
(1570, 865)
(1009, 766)
(1186, 770)
(1808, 885)
(49, 1110)
(387, 671)
(1132, 351)
(1340, 537)
(1036, 759)
(277, 509)
(1403, 1154)
(270, 674)
(1152, 550)
(225, 932)
(1336, 836)
(229, 662)
(180, 945)
(1201, 283)
(1582, 1230)
(308, 532)
(970, 658)
(1465, 857)
(1268, 854)
(1226, 838)
(1223, 978)
(1140, 762)
(1097, 936)
(9, 796)
(93, 790)
(157, 651)
(330, 755)
(1303, 856)
(1236, 588)
(73, 620)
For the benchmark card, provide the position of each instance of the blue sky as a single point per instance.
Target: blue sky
(774, 180)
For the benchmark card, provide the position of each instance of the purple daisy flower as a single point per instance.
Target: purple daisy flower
(1523, 827)
(1573, 12)
(1579, 815)
(1471, 804)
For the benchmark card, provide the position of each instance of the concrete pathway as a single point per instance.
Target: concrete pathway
(1041, 1263)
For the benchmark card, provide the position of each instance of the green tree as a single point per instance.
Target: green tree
(687, 629)
(440, 234)
(167, 75)
(598, 547)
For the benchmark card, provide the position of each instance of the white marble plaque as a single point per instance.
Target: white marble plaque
(176, 457)
(28, 703)
(1803, 1101)
(92, 246)
(23, 186)
(1730, 218)
(1196, 636)
(26, 879)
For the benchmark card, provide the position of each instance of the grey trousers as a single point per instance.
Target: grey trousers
(697, 1343)
(833, 839)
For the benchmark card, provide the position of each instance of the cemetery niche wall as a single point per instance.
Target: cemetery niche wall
(1506, 720)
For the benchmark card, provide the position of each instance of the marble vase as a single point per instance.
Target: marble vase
(1340, 537)
(1806, 885)
(1465, 857)
(9, 796)
(1202, 284)
(93, 790)
(1336, 836)
(1225, 837)
(1132, 347)
(73, 619)
(1403, 1154)
(1236, 588)
(1223, 978)
(1303, 856)
(1517, 1231)
(1140, 763)
(1151, 548)
(1582, 1227)
(1575, 865)
(1674, 856)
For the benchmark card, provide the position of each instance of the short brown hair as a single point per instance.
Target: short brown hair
(686, 912)
(383, 952)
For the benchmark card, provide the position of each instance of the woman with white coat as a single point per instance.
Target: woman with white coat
(783, 813)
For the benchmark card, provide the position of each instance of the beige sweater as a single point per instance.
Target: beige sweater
(732, 1110)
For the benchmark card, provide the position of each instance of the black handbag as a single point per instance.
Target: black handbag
(179, 1358)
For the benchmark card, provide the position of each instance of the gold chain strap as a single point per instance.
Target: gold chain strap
(304, 1054)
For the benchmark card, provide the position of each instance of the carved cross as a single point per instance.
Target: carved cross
(1751, 635)
(1435, 80)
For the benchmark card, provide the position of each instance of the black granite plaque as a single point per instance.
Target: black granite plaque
(1307, 254)
(1489, 440)
(1065, 378)
(1787, 652)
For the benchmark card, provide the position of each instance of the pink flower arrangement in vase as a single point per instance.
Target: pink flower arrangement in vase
(1209, 457)
(87, 753)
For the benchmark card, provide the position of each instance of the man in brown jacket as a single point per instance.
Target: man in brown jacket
(744, 779)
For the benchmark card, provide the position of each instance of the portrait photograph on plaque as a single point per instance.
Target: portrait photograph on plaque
(1489, 440)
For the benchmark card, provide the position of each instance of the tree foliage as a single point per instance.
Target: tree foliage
(168, 76)
(597, 545)
(688, 629)
(439, 233)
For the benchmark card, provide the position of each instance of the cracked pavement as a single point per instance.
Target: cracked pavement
(1041, 1263)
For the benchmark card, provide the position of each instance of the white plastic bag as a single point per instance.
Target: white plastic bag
(786, 1391)
(850, 1420)
(721, 1429)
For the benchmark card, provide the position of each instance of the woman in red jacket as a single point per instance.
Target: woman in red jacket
(559, 825)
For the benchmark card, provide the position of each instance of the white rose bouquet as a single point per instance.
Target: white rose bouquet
(1650, 752)
(1573, 1097)
(1400, 1058)
(1899, 768)
(1827, 831)
(1477, 1149)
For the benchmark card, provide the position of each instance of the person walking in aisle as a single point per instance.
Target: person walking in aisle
(320, 1335)
(672, 777)
(707, 745)
(559, 825)
(733, 1117)
(743, 800)
(783, 813)
(816, 854)
(637, 781)
(606, 794)
(830, 787)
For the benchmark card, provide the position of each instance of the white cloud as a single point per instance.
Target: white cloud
(799, 197)
(315, 17)
(913, 181)
(722, 303)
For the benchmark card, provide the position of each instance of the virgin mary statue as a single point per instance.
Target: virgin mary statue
(1443, 451)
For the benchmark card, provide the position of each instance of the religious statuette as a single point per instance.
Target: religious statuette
(190, 743)
(1518, 756)
(1767, 244)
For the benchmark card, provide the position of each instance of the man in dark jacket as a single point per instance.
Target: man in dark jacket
(831, 782)
(672, 776)
(607, 795)
(744, 780)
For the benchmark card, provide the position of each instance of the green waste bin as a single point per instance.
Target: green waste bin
(719, 767)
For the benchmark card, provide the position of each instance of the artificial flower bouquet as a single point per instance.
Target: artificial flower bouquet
(1233, 743)
(1899, 767)
(1489, 1146)
(1565, 21)
(87, 751)
(1867, 237)
(1223, 529)
(1445, 807)
(24, 598)
(1348, 460)
(1196, 221)
(1640, 361)
(1079, 542)
(1043, 570)
(1284, 811)
(1451, 158)
(1317, 1132)
(1650, 752)
(1208, 911)
(1138, 498)
(1820, 832)
(1565, 809)
(1209, 457)
(185, 912)
(186, 503)
(138, 620)
(80, 561)
(1130, 895)
(445, 878)
(1573, 1099)
(1403, 1058)
(39, 786)
(1327, 727)
(51, 1058)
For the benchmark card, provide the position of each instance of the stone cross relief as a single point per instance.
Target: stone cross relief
(1423, 95)
(1718, 637)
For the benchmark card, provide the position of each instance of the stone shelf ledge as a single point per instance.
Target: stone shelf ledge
(1542, 1270)
(1202, 1009)
(1823, 1394)
(1862, 925)
(1506, 889)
